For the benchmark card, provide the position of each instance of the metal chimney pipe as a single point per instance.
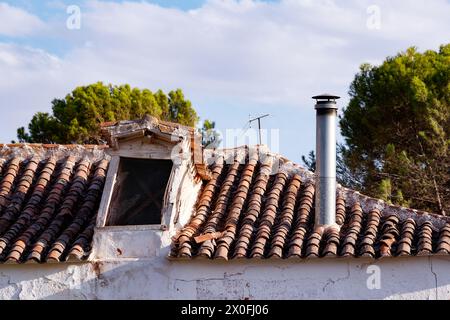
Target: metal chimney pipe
(326, 112)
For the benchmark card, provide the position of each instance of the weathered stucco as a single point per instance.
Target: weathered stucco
(159, 278)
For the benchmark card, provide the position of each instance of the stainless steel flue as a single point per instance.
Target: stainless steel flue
(325, 175)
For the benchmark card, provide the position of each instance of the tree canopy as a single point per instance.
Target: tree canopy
(77, 117)
(397, 130)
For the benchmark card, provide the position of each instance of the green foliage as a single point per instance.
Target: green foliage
(385, 190)
(343, 176)
(210, 137)
(77, 117)
(310, 161)
(43, 128)
(397, 128)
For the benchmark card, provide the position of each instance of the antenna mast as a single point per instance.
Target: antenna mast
(259, 124)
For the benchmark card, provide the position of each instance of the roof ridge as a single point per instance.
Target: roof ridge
(43, 151)
(438, 221)
(53, 145)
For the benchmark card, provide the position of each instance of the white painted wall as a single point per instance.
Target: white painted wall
(159, 278)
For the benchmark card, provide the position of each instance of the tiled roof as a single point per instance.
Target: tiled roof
(263, 207)
(49, 196)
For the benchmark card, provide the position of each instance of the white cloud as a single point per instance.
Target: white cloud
(30, 78)
(17, 22)
(224, 53)
(258, 52)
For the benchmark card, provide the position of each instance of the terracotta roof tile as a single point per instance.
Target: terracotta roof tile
(313, 244)
(340, 210)
(204, 205)
(253, 210)
(443, 246)
(303, 222)
(285, 219)
(48, 195)
(263, 207)
(353, 230)
(332, 242)
(425, 241)
(268, 216)
(231, 223)
(370, 234)
(406, 237)
(8, 179)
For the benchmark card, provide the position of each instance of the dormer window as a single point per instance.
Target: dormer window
(154, 176)
(155, 172)
(138, 194)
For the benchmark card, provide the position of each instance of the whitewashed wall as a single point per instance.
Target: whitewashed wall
(159, 278)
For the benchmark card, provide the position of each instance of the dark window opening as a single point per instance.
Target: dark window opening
(138, 193)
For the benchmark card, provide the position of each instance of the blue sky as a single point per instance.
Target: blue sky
(232, 58)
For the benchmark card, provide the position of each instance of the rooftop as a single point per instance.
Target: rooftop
(263, 207)
(49, 195)
(253, 204)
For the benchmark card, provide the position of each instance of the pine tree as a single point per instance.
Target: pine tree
(397, 129)
(77, 117)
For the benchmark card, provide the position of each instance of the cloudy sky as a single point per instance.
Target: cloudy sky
(232, 58)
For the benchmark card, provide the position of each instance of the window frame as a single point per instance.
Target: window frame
(111, 179)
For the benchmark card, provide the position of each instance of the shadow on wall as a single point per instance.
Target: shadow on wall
(158, 278)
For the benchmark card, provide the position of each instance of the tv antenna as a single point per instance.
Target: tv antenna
(259, 124)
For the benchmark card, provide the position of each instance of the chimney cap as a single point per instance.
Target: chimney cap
(326, 96)
(326, 101)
